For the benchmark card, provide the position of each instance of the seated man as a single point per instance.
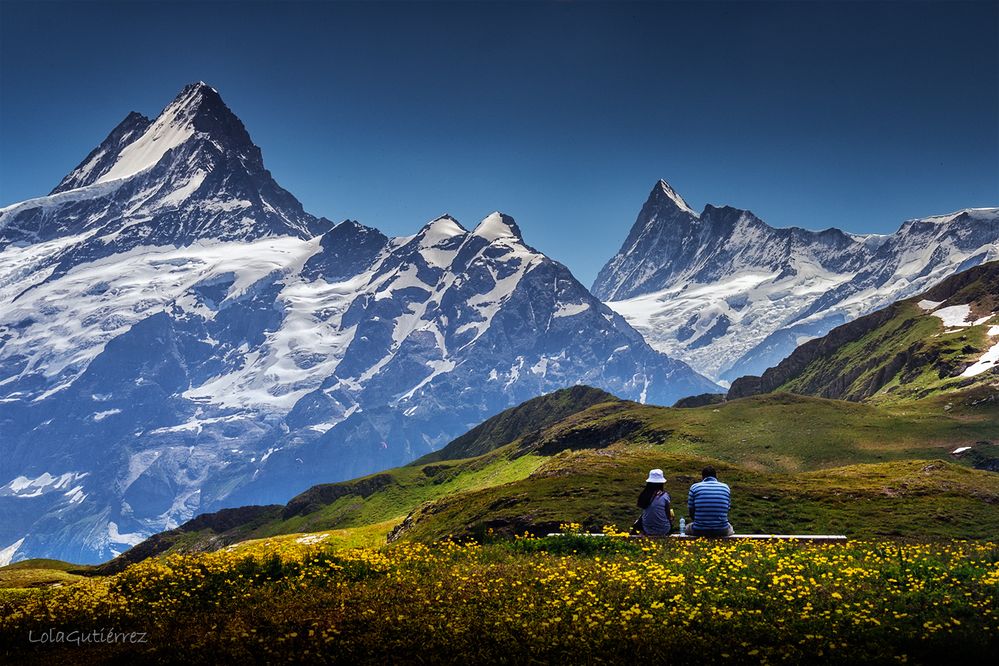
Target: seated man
(708, 504)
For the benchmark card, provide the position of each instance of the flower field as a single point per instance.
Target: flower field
(557, 598)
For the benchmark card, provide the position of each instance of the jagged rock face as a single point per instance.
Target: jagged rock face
(178, 336)
(731, 295)
(191, 174)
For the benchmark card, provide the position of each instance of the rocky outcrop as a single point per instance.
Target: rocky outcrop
(702, 400)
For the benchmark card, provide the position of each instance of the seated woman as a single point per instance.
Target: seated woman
(657, 512)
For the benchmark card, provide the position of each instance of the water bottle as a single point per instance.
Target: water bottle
(683, 526)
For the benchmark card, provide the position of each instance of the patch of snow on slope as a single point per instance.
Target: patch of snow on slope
(929, 305)
(986, 362)
(570, 309)
(954, 315)
(25, 487)
(95, 191)
(181, 194)
(171, 129)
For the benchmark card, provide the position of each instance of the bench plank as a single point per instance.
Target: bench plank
(811, 538)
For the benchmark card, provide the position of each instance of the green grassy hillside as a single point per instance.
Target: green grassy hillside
(915, 499)
(40, 573)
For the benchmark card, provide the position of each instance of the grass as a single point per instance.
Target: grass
(784, 432)
(364, 520)
(369, 536)
(410, 487)
(40, 573)
(912, 498)
(533, 600)
(911, 356)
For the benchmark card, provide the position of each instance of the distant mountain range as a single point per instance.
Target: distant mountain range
(178, 335)
(731, 295)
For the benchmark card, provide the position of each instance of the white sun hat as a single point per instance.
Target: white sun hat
(656, 476)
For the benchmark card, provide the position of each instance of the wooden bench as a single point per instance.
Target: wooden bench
(810, 538)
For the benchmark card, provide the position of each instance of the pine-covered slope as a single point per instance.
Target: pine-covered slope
(177, 336)
(731, 295)
(943, 340)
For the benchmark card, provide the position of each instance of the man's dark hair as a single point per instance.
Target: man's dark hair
(708, 471)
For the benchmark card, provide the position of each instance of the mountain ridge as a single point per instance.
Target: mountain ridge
(731, 295)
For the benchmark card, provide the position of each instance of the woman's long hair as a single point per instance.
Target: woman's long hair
(645, 498)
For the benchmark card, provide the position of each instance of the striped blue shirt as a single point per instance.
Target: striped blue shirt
(710, 501)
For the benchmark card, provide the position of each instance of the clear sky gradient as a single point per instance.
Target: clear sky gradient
(564, 115)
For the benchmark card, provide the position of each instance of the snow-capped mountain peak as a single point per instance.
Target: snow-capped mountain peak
(192, 173)
(138, 144)
(441, 228)
(104, 157)
(664, 189)
(496, 226)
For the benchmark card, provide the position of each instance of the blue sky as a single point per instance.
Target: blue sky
(564, 115)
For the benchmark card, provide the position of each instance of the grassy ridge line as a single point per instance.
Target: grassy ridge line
(520, 421)
(40, 573)
(911, 356)
(784, 432)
